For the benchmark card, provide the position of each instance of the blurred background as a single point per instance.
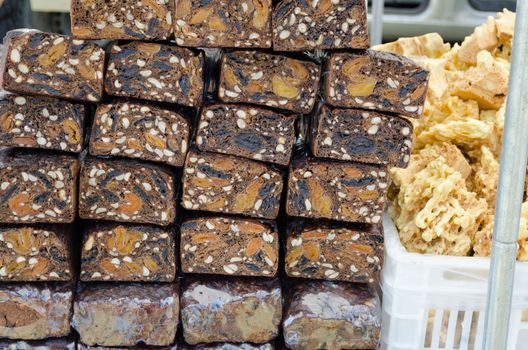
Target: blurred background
(453, 19)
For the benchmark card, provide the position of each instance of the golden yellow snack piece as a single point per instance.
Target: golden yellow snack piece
(458, 122)
(429, 45)
(485, 179)
(452, 156)
(435, 213)
(487, 83)
(443, 203)
(482, 245)
(483, 38)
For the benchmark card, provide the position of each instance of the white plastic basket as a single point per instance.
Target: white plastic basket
(438, 302)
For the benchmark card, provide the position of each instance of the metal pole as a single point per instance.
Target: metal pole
(377, 21)
(510, 191)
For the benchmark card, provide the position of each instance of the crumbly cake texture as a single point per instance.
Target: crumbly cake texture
(141, 131)
(41, 122)
(126, 191)
(37, 187)
(361, 136)
(128, 253)
(231, 311)
(35, 310)
(54, 65)
(247, 131)
(229, 246)
(334, 252)
(300, 25)
(330, 315)
(218, 23)
(376, 80)
(231, 185)
(122, 19)
(351, 192)
(155, 72)
(269, 80)
(126, 314)
(33, 253)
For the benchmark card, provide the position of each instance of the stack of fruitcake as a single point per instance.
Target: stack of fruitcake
(228, 162)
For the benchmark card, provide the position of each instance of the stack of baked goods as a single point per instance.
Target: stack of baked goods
(226, 161)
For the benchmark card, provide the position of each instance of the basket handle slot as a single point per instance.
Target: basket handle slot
(453, 329)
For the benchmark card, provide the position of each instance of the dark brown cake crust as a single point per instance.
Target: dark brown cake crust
(361, 136)
(231, 185)
(229, 246)
(376, 80)
(41, 122)
(54, 65)
(351, 192)
(300, 25)
(134, 130)
(122, 19)
(37, 187)
(128, 253)
(126, 191)
(218, 23)
(247, 131)
(268, 80)
(155, 72)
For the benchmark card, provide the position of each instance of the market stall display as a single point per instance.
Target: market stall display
(262, 169)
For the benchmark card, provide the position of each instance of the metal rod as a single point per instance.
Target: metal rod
(378, 7)
(510, 191)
